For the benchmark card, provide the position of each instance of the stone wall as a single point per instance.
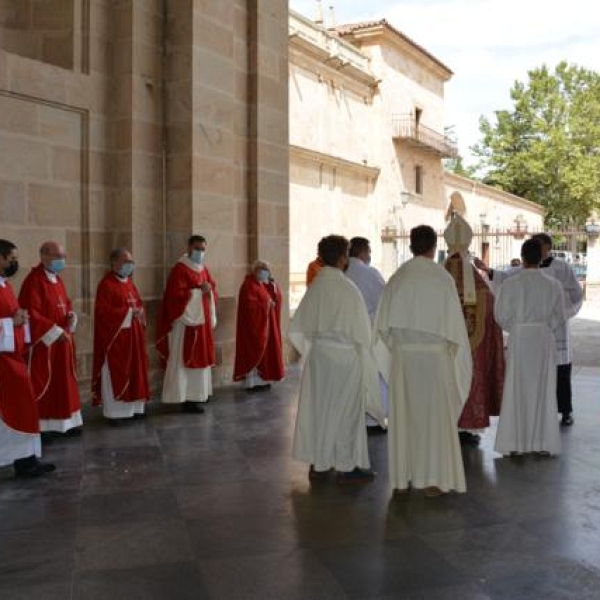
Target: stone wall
(39, 29)
(170, 119)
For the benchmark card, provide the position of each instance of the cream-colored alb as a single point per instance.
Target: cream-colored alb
(420, 322)
(332, 332)
(530, 307)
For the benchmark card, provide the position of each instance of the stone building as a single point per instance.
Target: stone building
(130, 123)
(367, 143)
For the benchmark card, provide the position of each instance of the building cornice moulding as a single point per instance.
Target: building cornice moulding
(321, 158)
(471, 186)
(380, 34)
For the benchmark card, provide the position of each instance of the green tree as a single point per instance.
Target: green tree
(457, 166)
(547, 148)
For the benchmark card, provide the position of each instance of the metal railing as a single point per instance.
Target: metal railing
(404, 127)
(497, 246)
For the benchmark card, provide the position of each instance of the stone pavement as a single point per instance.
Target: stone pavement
(585, 333)
(212, 506)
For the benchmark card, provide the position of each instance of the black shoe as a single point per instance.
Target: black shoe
(139, 415)
(567, 420)
(47, 437)
(317, 475)
(469, 439)
(31, 467)
(75, 432)
(376, 429)
(192, 407)
(259, 388)
(356, 477)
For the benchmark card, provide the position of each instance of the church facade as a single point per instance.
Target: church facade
(126, 123)
(367, 145)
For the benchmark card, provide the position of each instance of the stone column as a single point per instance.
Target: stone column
(268, 138)
(227, 143)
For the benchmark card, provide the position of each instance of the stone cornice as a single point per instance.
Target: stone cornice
(382, 31)
(313, 47)
(470, 185)
(334, 161)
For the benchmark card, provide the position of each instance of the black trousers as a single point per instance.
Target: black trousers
(563, 389)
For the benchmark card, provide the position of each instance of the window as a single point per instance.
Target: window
(418, 113)
(418, 180)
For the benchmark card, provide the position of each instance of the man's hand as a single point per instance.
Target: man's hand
(63, 337)
(20, 317)
(205, 287)
(479, 264)
(140, 315)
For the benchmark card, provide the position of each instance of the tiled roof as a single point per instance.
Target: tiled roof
(350, 28)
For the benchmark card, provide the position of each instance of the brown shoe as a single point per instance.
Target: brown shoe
(397, 493)
(433, 492)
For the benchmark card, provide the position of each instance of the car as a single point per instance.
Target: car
(581, 274)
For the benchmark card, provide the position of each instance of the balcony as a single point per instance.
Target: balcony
(405, 129)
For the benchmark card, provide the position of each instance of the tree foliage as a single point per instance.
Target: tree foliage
(547, 148)
(458, 167)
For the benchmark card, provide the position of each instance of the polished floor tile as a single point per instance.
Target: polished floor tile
(214, 506)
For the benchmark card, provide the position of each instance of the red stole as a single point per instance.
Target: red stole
(258, 334)
(198, 343)
(52, 369)
(487, 350)
(123, 349)
(18, 409)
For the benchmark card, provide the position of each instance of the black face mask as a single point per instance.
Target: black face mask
(13, 267)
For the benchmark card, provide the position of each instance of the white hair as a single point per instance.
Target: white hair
(260, 263)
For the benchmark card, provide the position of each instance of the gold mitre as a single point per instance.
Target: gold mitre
(458, 234)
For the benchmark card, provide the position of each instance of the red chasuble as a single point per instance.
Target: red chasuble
(485, 336)
(258, 335)
(198, 342)
(52, 368)
(124, 349)
(18, 409)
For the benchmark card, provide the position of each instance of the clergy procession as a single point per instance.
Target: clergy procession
(420, 358)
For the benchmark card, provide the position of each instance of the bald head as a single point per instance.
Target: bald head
(52, 249)
(52, 256)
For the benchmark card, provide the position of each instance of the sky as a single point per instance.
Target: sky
(488, 44)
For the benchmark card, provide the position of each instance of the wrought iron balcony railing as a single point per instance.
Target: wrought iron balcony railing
(405, 128)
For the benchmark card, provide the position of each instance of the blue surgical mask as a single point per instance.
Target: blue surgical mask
(126, 270)
(263, 275)
(57, 265)
(197, 256)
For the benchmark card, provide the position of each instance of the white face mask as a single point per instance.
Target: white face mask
(126, 270)
(197, 256)
(263, 275)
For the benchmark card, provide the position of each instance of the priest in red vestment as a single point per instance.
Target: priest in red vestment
(184, 339)
(485, 335)
(258, 350)
(19, 421)
(52, 353)
(120, 371)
